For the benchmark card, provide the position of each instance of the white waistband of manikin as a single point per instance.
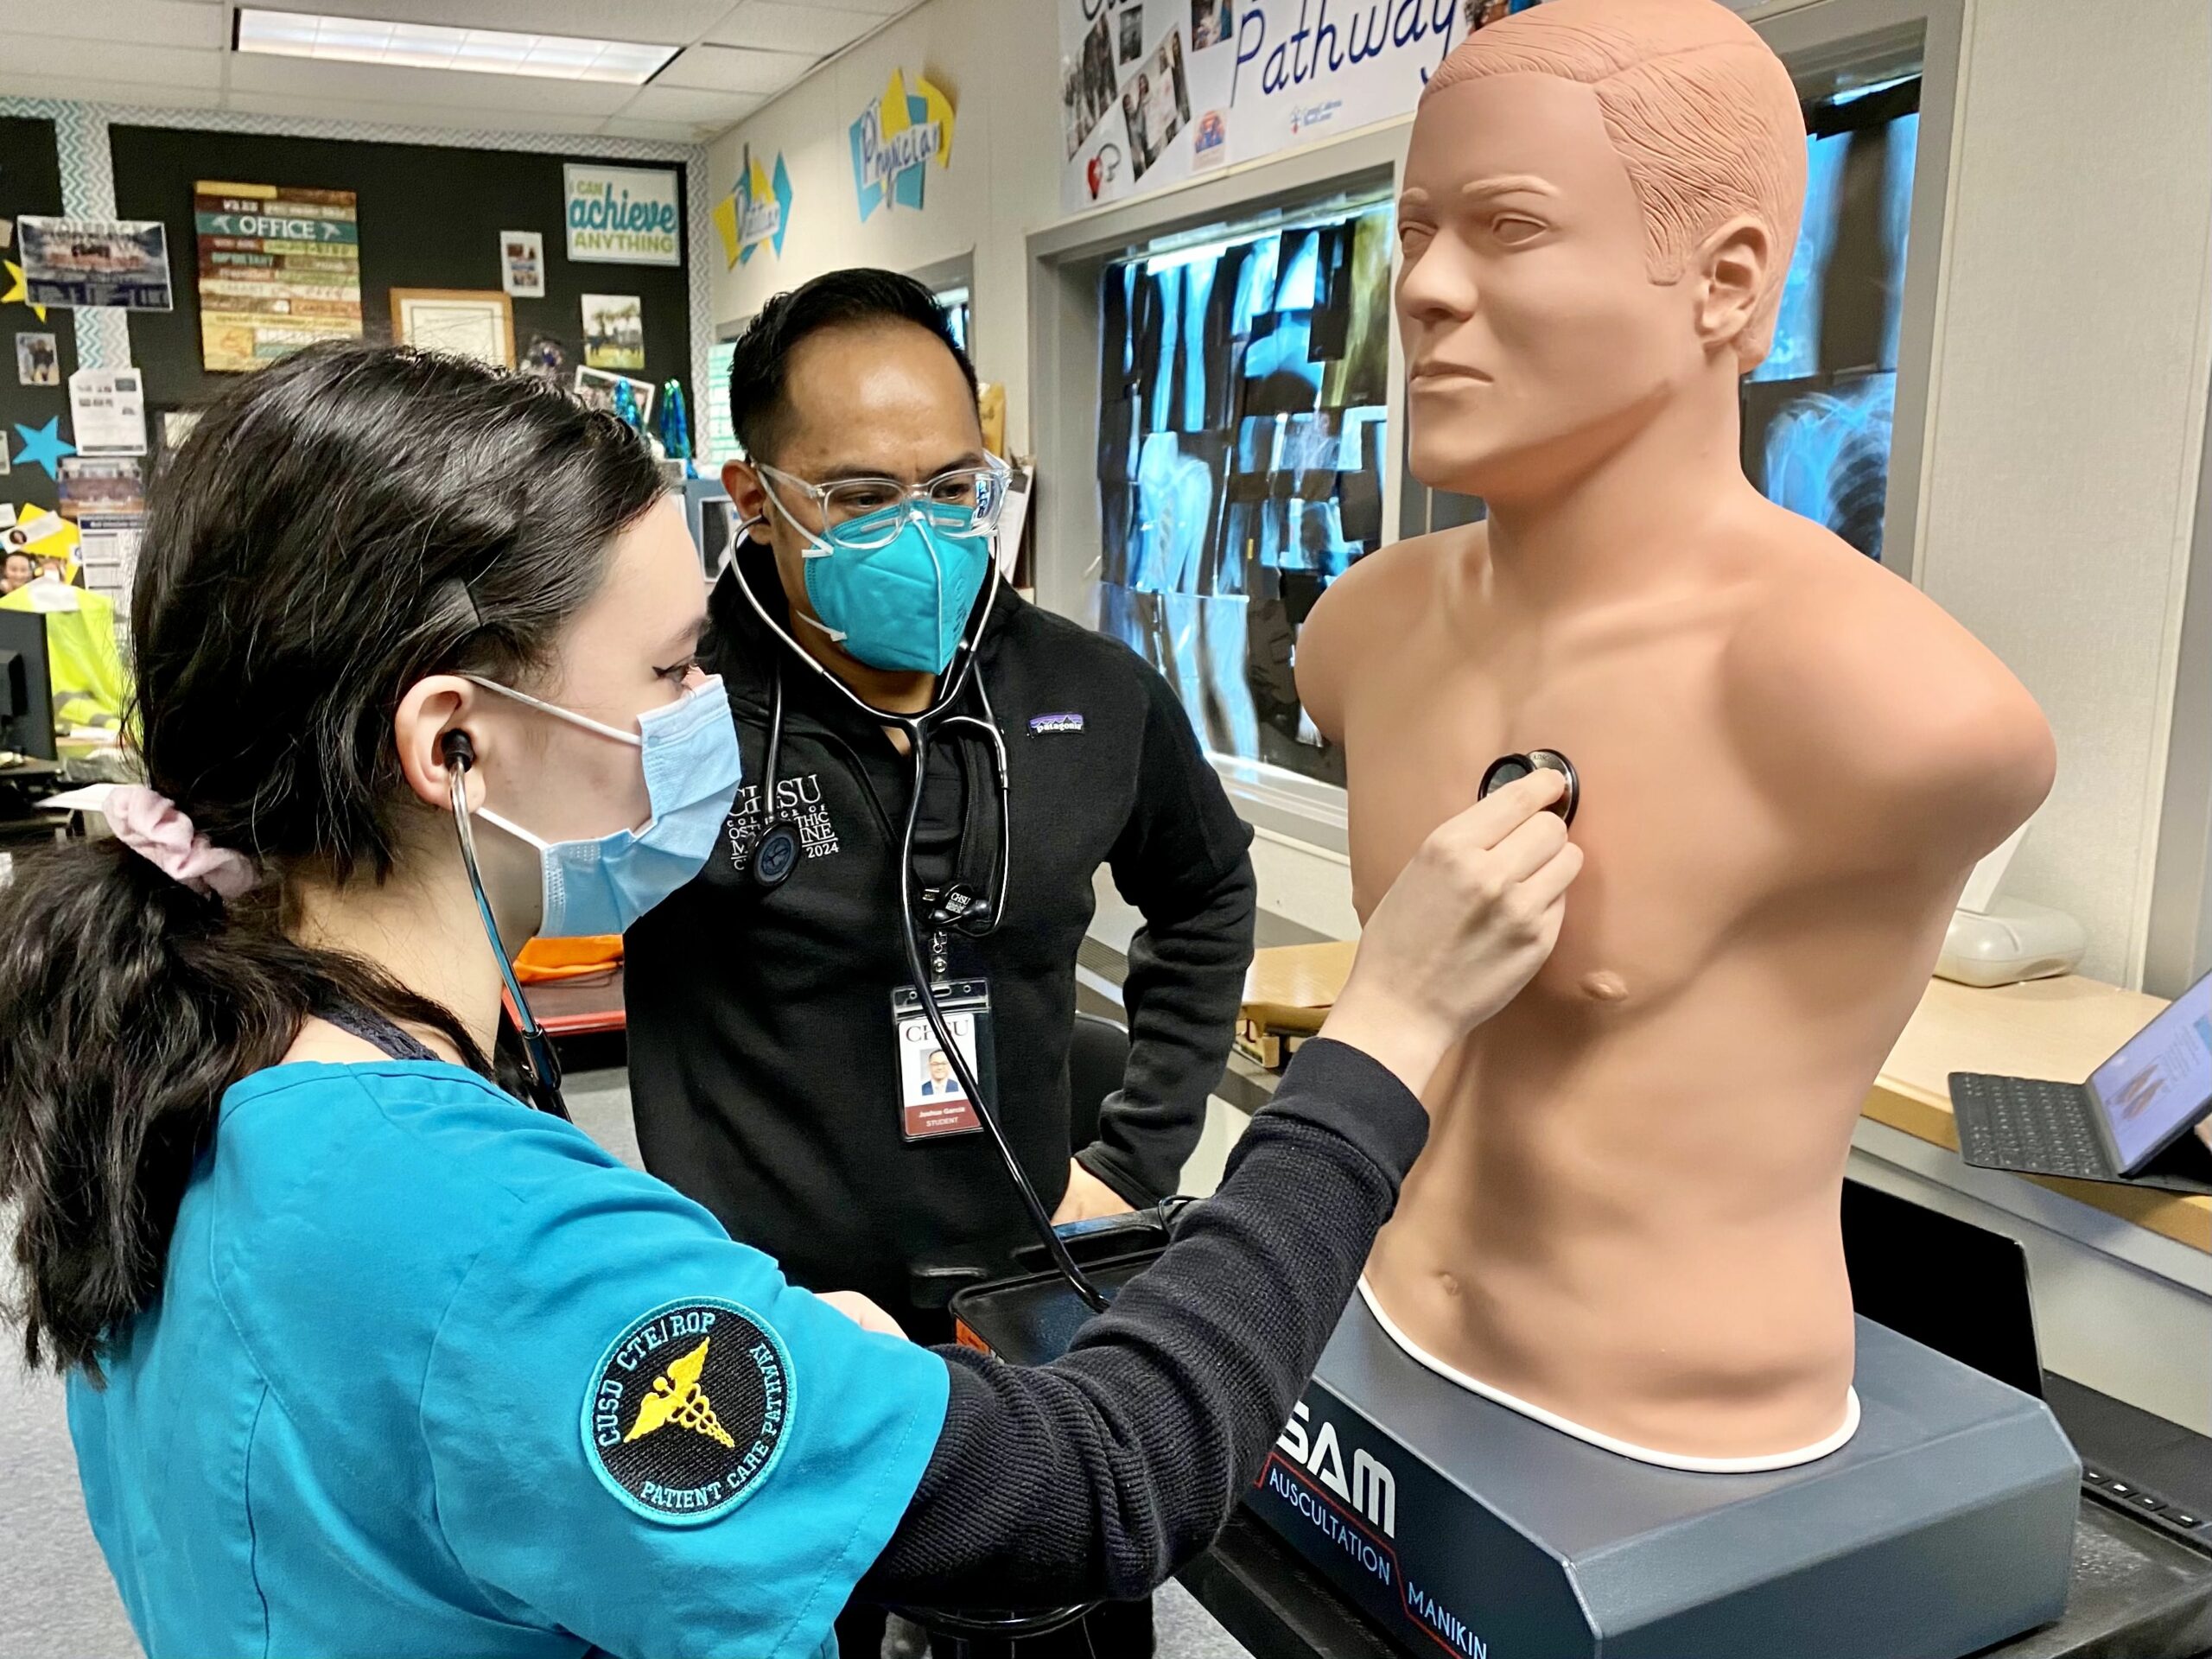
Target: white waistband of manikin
(1812, 1453)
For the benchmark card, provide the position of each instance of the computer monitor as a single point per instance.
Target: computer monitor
(2159, 1082)
(26, 686)
(713, 520)
(1947, 1284)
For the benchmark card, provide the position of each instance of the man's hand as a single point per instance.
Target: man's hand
(861, 1311)
(1088, 1197)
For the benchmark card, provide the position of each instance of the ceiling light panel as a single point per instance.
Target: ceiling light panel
(434, 46)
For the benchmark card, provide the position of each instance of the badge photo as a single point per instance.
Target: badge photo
(686, 1412)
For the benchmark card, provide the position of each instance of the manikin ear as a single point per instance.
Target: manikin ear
(1734, 265)
(433, 707)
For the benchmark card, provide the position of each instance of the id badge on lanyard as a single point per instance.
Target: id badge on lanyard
(931, 1099)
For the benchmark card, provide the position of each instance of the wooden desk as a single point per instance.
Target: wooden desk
(2058, 1028)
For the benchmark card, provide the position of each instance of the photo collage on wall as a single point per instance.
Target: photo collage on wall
(1242, 439)
(1153, 104)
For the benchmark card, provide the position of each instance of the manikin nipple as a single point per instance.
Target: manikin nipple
(1604, 985)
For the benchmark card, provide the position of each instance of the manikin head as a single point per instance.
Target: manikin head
(1600, 199)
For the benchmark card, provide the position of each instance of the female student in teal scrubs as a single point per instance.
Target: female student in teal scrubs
(367, 1356)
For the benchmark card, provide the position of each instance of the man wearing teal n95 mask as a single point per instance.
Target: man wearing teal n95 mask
(780, 1071)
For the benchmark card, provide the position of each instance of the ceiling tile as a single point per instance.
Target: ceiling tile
(818, 30)
(672, 132)
(142, 23)
(123, 94)
(672, 22)
(733, 69)
(115, 61)
(445, 116)
(681, 103)
(375, 83)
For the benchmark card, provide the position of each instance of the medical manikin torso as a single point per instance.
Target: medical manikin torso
(1627, 1216)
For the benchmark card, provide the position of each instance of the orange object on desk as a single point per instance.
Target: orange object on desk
(545, 962)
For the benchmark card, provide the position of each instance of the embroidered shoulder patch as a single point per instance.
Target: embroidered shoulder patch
(686, 1410)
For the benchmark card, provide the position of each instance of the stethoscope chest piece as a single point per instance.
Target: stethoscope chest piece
(1511, 768)
(775, 855)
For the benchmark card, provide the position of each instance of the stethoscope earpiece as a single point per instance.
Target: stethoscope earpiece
(1512, 768)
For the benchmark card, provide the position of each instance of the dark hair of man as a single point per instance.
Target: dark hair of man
(760, 367)
(338, 527)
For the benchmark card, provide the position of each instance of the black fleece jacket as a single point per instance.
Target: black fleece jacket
(1100, 1474)
(763, 1059)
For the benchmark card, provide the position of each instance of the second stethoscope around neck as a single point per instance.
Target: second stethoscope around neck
(957, 907)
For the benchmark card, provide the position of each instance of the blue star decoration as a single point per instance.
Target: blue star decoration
(45, 447)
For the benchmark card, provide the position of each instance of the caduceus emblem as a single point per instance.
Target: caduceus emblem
(678, 1398)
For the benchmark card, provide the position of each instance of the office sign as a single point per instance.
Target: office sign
(280, 268)
(896, 140)
(623, 215)
(1153, 91)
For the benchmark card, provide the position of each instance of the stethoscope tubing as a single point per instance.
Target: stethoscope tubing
(919, 728)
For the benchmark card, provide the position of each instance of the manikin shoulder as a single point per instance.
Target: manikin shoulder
(1871, 709)
(1366, 608)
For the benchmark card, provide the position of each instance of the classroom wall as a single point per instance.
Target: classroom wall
(2067, 392)
(428, 217)
(999, 62)
(2065, 418)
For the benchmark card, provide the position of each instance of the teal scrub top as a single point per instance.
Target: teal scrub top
(431, 1374)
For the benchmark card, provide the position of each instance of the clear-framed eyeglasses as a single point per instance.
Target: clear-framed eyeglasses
(870, 513)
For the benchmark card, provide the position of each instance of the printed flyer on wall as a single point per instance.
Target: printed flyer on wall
(1151, 91)
(104, 496)
(122, 262)
(279, 269)
(107, 411)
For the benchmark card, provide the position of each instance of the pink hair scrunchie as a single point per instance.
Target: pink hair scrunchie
(149, 823)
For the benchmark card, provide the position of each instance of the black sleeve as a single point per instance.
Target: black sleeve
(1102, 1472)
(1181, 859)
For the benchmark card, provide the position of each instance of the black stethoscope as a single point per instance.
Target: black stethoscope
(541, 1065)
(1512, 768)
(960, 906)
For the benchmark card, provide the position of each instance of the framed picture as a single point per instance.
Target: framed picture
(614, 331)
(469, 322)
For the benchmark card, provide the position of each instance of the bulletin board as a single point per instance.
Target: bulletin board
(30, 183)
(429, 217)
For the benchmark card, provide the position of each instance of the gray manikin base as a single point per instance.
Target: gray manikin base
(1946, 1525)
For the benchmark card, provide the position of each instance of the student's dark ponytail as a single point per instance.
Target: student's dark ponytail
(337, 526)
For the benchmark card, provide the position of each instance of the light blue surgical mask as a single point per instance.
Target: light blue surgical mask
(903, 604)
(692, 769)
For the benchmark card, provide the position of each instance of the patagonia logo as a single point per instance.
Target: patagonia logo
(1046, 725)
(686, 1412)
